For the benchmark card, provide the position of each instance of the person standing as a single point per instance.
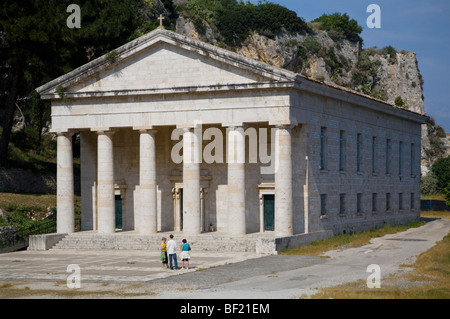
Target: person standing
(185, 256)
(172, 251)
(164, 253)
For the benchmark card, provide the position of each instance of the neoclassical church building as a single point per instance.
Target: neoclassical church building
(181, 135)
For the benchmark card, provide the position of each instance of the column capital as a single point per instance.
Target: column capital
(67, 134)
(285, 126)
(236, 125)
(147, 130)
(143, 128)
(190, 126)
(105, 132)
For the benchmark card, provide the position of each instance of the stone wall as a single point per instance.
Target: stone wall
(331, 181)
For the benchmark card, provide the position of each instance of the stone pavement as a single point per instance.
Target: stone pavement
(114, 266)
(138, 274)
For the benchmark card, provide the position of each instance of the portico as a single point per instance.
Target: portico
(183, 199)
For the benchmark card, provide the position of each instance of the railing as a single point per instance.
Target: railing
(438, 205)
(19, 237)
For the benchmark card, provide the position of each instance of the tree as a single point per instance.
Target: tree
(441, 169)
(26, 42)
(428, 184)
(37, 46)
(236, 21)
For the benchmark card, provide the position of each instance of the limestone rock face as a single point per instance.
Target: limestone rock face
(402, 79)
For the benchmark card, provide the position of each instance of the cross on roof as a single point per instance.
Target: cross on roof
(160, 21)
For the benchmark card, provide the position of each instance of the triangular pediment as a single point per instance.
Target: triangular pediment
(164, 60)
(164, 66)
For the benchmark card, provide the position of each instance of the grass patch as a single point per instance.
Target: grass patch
(38, 201)
(319, 247)
(435, 214)
(16, 292)
(30, 210)
(432, 197)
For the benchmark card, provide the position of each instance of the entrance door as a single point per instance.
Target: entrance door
(269, 212)
(118, 212)
(181, 209)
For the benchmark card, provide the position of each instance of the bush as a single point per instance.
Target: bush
(441, 169)
(235, 21)
(437, 146)
(447, 195)
(389, 50)
(311, 45)
(440, 132)
(428, 184)
(365, 70)
(341, 25)
(399, 101)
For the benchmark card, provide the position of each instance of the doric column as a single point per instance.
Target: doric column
(64, 184)
(105, 183)
(191, 182)
(236, 180)
(283, 182)
(147, 182)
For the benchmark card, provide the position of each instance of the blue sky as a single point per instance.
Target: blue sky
(420, 26)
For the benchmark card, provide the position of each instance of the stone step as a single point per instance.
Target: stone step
(120, 241)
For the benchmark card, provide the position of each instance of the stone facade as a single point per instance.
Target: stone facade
(190, 137)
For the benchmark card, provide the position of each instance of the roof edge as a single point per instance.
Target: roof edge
(167, 36)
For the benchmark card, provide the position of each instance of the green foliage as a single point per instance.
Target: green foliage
(61, 91)
(364, 75)
(341, 26)
(428, 184)
(391, 52)
(18, 215)
(440, 131)
(437, 146)
(311, 45)
(36, 43)
(447, 194)
(235, 21)
(399, 101)
(441, 169)
(112, 57)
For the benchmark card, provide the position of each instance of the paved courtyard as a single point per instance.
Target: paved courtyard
(138, 274)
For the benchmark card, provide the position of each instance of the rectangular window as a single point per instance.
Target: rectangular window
(323, 133)
(388, 202)
(400, 201)
(411, 161)
(358, 152)
(359, 203)
(400, 146)
(374, 152)
(323, 204)
(374, 202)
(341, 204)
(388, 150)
(412, 201)
(341, 150)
